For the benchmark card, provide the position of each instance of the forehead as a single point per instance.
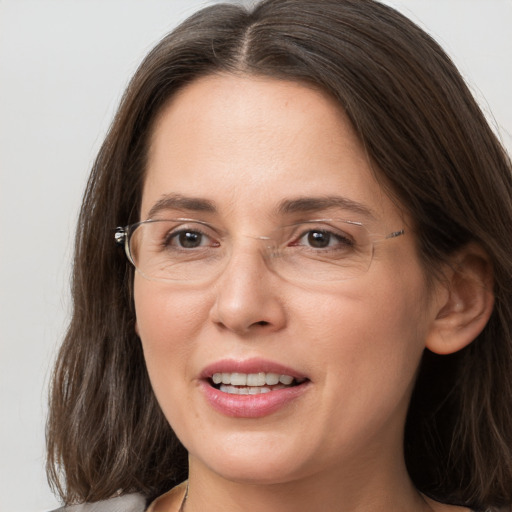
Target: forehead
(248, 144)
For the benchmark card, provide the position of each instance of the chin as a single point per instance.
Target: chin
(256, 463)
(250, 475)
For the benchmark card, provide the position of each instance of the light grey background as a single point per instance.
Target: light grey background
(63, 66)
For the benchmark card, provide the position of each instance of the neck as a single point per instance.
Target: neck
(353, 490)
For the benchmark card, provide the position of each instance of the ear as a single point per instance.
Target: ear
(466, 303)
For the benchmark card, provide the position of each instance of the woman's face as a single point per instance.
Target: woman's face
(247, 155)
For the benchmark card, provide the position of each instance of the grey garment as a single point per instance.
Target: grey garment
(128, 503)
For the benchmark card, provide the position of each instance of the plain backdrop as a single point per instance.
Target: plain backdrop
(63, 67)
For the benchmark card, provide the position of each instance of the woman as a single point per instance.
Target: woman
(319, 217)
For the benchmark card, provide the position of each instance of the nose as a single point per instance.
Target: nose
(248, 299)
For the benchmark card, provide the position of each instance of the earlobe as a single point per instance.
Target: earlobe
(467, 303)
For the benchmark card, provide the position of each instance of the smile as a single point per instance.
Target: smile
(252, 383)
(251, 388)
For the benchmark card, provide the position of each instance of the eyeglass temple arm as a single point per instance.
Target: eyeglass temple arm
(395, 234)
(120, 236)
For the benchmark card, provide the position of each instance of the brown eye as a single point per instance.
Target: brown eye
(319, 239)
(189, 239)
(186, 239)
(323, 239)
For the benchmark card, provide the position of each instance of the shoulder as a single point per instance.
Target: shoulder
(126, 503)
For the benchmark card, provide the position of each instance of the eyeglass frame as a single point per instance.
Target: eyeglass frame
(122, 237)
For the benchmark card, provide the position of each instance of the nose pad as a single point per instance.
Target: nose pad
(248, 296)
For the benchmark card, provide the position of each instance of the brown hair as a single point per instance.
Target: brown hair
(432, 145)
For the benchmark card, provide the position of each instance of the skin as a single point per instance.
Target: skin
(245, 144)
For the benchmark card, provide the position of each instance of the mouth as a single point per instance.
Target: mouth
(251, 388)
(236, 383)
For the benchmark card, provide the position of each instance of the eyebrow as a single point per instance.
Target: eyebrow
(287, 206)
(180, 202)
(312, 204)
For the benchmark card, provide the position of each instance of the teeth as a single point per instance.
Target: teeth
(260, 379)
(285, 379)
(238, 379)
(251, 390)
(272, 379)
(256, 379)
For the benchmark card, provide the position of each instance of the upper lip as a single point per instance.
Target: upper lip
(253, 365)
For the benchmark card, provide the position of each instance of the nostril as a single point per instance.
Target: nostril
(262, 322)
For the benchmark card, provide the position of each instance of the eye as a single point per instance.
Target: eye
(323, 239)
(317, 239)
(188, 239)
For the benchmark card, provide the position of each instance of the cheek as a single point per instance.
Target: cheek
(399, 324)
(168, 324)
(371, 337)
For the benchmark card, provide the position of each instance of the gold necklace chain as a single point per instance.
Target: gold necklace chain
(183, 501)
(182, 506)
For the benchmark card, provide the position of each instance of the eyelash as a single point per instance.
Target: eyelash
(174, 236)
(341, 239)
(296, 241)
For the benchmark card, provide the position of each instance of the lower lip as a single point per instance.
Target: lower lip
(251, 406)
